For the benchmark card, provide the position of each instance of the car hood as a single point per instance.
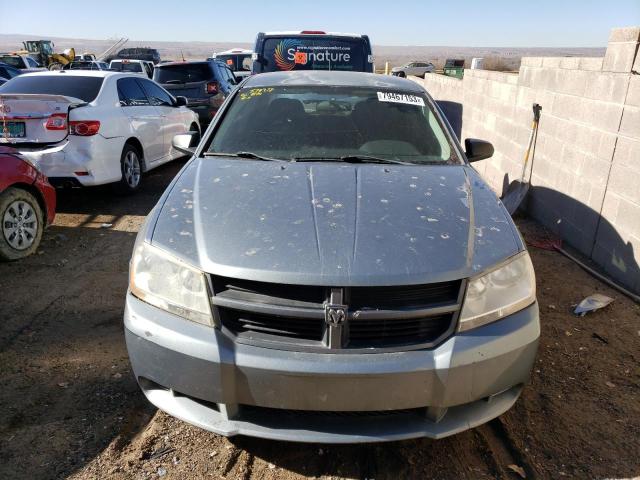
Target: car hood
(333, 224)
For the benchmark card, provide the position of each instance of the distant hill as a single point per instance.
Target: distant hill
(507, 58)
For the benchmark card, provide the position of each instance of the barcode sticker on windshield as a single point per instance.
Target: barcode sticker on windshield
(400, 98)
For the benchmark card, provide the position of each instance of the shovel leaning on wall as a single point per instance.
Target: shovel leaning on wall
(517, 190)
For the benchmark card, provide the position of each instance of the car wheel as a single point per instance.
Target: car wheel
(402, 74)
(131, 167)
(22, 224)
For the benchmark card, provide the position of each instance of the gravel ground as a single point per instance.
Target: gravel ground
(71, 407)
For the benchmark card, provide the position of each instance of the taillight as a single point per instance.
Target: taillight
(313, 32)
(212, 87)
(84, 128)
(57, 121)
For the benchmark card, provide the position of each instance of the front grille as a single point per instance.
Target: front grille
(255, 325)
(404, 296)
(293, 316)
(272, 293)
(386, 333)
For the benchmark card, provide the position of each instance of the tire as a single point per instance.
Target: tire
(402, 74)
(131, 167)
(22, 224)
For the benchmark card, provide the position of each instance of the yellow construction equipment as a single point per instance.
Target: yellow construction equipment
(42, 52)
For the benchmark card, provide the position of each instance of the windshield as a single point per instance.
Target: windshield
(330, 123)
(313, 53)
(84, 88)
(126, 67)
(237, 62)
(183, 73)
(12, 60)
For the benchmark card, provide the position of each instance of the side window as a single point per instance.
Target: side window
(130, 93)
(157, 95)
(32, 63)
(229, 75)
(9, 72)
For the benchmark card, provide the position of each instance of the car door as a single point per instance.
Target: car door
(226, 79)
(145, 119)
(173, 122)
(231, 80)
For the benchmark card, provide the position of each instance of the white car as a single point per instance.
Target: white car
(238, 60)
(141, 67)
(84, 128)
(419, 69)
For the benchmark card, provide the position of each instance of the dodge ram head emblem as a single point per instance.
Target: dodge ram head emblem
(335, 315)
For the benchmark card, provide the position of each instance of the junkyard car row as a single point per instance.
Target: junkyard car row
(326, 267)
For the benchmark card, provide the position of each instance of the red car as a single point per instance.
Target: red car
(27, 205)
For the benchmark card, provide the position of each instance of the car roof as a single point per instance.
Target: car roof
(302, 32)
(235, 51)
(80, 73)
(189, 62)
(128, 60)
(337, 79)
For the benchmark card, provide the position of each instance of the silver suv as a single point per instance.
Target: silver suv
(419, 69)
(328, 267)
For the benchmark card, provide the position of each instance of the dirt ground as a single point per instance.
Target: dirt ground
(71, 408)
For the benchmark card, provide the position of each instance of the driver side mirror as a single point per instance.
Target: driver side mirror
(476, 149)
(186, 142)
(181, 101)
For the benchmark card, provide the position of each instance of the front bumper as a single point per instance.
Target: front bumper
(198, 374)
(48, 193)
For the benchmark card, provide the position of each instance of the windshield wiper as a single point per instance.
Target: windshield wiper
(351, 159)
(250, 155)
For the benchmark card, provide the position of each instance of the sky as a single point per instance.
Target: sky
(495, 23)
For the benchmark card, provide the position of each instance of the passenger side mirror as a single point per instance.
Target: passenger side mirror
(186, 142)
(477, 149)
(181, 101)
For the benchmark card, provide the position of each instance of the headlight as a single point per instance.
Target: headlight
(498, 293)
(167, 283)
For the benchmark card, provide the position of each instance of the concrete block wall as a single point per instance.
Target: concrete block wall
(586, 172)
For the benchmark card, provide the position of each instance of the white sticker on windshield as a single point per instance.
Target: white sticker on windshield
(400, 98)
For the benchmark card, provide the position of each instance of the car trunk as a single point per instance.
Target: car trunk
(34, 118)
